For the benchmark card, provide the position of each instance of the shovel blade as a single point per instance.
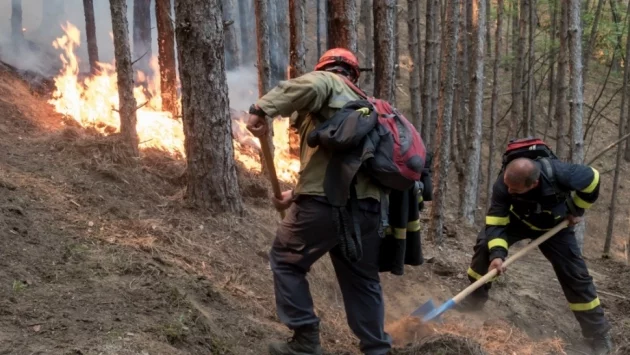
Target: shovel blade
(437, 312)
(424, 309)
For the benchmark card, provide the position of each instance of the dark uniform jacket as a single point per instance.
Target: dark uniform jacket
(542, 208)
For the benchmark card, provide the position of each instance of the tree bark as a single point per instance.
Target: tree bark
(476, 98)
(488, 34)
(142, 35)
(623, 118)
(124, 71)
(17, 33)
(413, 36)
(248, 31)
(342, 24)
(517, 85)
(264, 61)
(397, 41)
(561, 95)
(231, 30)
(322, 27)
(530, 125)
(552, 65)
(297, 28)
(431, 43)
(279, 39)
(211, 171)
(494, 105)
(384, 84)
(166, 56)
(443, 142)
(591, 38)
(90, 31)
(368, 39)
(576, 104)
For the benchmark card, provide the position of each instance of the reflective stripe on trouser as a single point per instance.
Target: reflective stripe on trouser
(570, 269)
(302, 238)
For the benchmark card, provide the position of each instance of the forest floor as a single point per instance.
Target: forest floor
(100, 255)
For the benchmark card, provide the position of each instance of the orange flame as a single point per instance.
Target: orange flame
(93, 102)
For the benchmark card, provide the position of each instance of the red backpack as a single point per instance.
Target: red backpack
(400, 156)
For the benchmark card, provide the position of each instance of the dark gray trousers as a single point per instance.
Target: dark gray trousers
(304, 236)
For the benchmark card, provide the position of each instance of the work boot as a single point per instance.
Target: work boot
(602, 344)
(305, 341)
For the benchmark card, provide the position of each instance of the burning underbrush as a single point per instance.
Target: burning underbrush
(92, 103)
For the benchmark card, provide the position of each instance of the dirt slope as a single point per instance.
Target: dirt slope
(99, 255)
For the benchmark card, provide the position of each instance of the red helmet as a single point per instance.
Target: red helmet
(339, 55)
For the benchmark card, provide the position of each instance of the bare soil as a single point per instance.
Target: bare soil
(100, 255)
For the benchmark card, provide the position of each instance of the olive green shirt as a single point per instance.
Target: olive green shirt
(315, 96)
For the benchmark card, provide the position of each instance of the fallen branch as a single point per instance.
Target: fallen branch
(610, 146)
(142, 56)
(613, 295)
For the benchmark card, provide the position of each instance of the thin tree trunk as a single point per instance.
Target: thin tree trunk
(494, 105)
(440, 32)
(552, 65)
(517, 74)
(142, 35)
(264, 60)
(322, 27)
(248, 32)
(166, 56)
(279, 40)
(429, 63)
(397, 42)
(488, 34)
(384, 16)
(90, 31)
(17, 33)
(476, 98)
(368, 39)
(297, 65)
(561, 95)
(577, 96)
(623, 118)
(231, 32)
(531, 83)
(464, 75)
(617, 63)
(413, 36)
(124, 71)
(443, 143)
(342, 24)
(211, 170)
(592, 37)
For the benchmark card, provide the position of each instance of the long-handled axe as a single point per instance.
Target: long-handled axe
(428, 311)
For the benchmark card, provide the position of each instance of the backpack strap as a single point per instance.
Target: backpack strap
(561, 194)
(354, 88)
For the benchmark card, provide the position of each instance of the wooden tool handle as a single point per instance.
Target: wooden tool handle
(275, 185)
(492, 273)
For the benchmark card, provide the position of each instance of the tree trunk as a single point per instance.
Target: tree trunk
(264, 61)
(342, 24)
(429, 62)
(211, 171)
(248, 31)
(322, 27)
(166, 56)
(231, 29)
(443, 142)
(368, 39)
(577, 97)
(488, 34)
(297, 65)
(52, 18)
(90, 31)
(413, 36)
(279, 39)
(437, 69)
(552, 66)
(384, 84)
(616, 64)
(17, 32)
(476, 98)
(494, 105)
(623, 118)
(592, 37)
(517, 105)
(124, 71)
(530, 124)
(142, 35)
(463, 76)
(561, 95)
(397, 41)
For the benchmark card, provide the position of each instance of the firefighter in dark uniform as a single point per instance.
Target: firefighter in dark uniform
(526, 202)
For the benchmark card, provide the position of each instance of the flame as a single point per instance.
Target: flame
(93, 102)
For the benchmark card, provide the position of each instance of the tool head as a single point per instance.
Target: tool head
(427, 312)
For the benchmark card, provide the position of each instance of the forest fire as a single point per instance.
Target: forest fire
(93, 102)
